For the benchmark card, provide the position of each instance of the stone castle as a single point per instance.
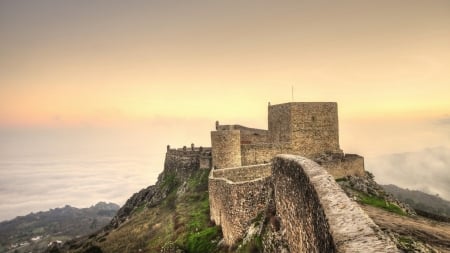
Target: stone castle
(288, 170)
(306, 129)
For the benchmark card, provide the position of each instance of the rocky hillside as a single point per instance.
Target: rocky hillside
(170, 216)
(33, 232)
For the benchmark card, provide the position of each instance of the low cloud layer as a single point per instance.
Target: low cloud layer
(427, 170)
(37, 184)
(51, 167)
(48, 168)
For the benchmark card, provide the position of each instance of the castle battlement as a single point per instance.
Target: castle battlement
(197, 157)
(309, 129)
(189, 150)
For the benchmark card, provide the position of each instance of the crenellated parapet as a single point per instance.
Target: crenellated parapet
(197, 157)
(189, 150)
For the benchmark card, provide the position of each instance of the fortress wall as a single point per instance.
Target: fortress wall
(250, 136)
(257, 154)
(262, 153)
(188, 151)
(315, 128)
(226, 149)
(317, 215)
(233, 205)
(245, 173)
(280, 123)
(349, 165)
(181, 164)
(187, 157)
(205, 161)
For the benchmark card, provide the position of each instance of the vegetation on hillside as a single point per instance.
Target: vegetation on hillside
(380, 203)
(180, 221)
(33, 232)
(366, 191)
(421, 201)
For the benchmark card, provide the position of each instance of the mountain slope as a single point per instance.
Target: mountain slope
(34, 231)
(171, 215)
(421, 201)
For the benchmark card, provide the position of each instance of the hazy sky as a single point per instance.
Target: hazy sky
(99, 61)
(137, 75)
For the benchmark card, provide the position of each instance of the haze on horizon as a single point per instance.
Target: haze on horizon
(129, 77)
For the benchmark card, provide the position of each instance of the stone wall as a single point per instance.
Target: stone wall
(244, 173)
(182, 161)
(262, 153)
(205, 161)
(315, 128)
(316, 214)
(253, 136)
(280, 123)
(311, 128)
(349, 165)
(248, 135)
(257, 153)
(233, 205)
(226, 148)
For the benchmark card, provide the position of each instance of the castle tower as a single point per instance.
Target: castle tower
(226, 148)
(309, 128)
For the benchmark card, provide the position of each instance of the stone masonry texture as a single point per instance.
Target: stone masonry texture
(227, 149)
(233, 205)
(317, 215)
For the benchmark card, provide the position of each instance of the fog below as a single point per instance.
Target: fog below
(36, 183)
(43, 168)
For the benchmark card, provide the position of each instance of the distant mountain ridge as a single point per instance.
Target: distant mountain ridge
(421, 201)
(33, 232)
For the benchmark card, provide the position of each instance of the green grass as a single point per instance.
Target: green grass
(170, 181)
(253, 246)
(204, 240)
(199, 182)
(381, 203)
(199, 217)
(197, 233)
(342, 179)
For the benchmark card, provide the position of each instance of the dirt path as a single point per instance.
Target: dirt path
(435, 233)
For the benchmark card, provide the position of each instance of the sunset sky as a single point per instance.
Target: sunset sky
(110, 73)
(94, 61)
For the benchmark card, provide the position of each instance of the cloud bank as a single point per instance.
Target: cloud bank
(427, 170)
(36, 184)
